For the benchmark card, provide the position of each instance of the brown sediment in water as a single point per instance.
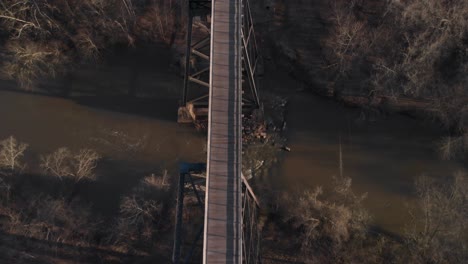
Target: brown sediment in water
(382, 156)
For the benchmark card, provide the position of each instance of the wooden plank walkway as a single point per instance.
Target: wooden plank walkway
(223, 204)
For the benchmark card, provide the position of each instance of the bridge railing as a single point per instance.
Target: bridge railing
(250, 51)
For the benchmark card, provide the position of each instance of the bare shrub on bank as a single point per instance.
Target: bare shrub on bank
(140, 212)
(138, 217)
(438, 234)
(454, 147)
(159, 21)
(5, 189)
(29, 61)
(78, 31)
(45, 36)
(11, 152)
(156, 182)
(359, 49)
(414, 49)
(328, 221)
(77, 166)
(346, 39)
(50, 219)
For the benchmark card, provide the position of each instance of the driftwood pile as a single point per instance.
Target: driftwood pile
(254, 127)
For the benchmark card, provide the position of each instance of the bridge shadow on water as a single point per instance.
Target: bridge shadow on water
(141, 81)
(159, 108)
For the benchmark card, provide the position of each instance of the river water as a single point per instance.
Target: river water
(140, 136)
(135, 136)
(382, 155)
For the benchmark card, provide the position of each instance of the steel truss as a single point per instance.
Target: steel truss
(195, 94)
(191, 193)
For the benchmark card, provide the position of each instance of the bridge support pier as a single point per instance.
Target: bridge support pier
(190, 184)
(194, 101)
(191, 187)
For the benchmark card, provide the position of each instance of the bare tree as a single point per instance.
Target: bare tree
(137, 211)
(85, 163)
(44, 37)
(140, 214)
(159, 21)
(28, 62)
(58, 163)
(64, 163)
(11, 152)
(414, 48)
(346, 38)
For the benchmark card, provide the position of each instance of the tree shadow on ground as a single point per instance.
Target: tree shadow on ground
(22, 249)
(116, 178)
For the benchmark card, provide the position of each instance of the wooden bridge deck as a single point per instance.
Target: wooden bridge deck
(223, 204)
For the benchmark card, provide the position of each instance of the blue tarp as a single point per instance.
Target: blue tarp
(185, 168)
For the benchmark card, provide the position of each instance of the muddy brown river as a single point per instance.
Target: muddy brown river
(382, 157)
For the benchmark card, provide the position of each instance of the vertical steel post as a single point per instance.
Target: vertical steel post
(179, 219)
(188, 55)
